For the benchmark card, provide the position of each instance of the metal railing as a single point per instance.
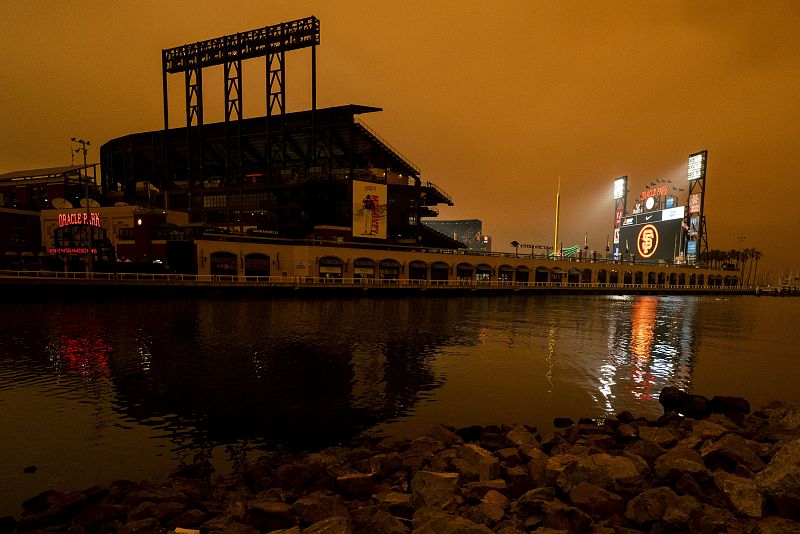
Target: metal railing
(377, 136)
(310, 281)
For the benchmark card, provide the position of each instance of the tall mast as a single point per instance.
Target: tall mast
(558, 198)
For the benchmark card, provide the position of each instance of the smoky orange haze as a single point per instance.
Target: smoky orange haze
(494, 101)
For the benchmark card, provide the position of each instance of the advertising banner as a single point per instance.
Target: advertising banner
(694, 203)
(369, 210)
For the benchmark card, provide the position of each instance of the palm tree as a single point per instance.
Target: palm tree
(756, 255)
(515, 244)
(744, 255)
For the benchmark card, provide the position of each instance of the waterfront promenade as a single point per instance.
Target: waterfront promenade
(31, 281)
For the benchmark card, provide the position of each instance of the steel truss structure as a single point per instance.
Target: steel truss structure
(271, 42)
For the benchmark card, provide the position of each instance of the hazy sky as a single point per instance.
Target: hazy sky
(493, 100)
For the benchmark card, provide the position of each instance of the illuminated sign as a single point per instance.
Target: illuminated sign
(616, 237)
(618, 218)
(649, 203)
(647, 241)
(691, 247)
(619, 187)
(67, 219)
(70, 250)
(696, 166)
(655, 192)
(673, 213)
(670, 202)
(694, 203)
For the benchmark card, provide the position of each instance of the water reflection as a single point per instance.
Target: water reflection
(143, 383)
(650, 345)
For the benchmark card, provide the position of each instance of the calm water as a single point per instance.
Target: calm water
(92, 392)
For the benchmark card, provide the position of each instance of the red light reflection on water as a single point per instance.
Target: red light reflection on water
(643, 322)
(84, 355)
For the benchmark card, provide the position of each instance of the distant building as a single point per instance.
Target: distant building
(467, 231)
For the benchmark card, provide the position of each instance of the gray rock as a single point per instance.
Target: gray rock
(269, 515)
(533, 501)
(433, 489)
(377, 521)
(614, 473)
(476, 463)
(355, 484)
(521, 437)
(477, 490)
(679, 461)
(662, 505)
(319, 505)
(397, 504)
(190, 518)
(426, 446)
(143, 526)
(239, 528)
(663, 436)
(596, 501)
(560, 516)
(776, 525)
(331, 525)
(729, 451)
(432, 521)
(742, 493)
(555, 466)
(780, 479)
(647, 450)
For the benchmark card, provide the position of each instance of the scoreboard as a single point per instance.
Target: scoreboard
(652, 236)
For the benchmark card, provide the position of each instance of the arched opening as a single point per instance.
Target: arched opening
(701, 280)
(389, 269)
(651, 278)
(330, 268)
(573, 276)
(586, 276)
(464, 271)
(730, 281)
(256, 265)
(602, 277)
(418, 270)
(440, 271)
(556, 275)
(613, 277)
(673, 279)
(638, 278)
(223, 264)
(505, 273)
(483, 272)
(364, 268)
(692, 280)
(627, 278)
(682, 279)
(542, 275)
(522, 274)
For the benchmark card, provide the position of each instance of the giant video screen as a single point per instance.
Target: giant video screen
(653, 236)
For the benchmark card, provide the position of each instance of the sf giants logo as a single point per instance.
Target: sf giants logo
(647, 242)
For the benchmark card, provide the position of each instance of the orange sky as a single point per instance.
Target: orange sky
(493, 100)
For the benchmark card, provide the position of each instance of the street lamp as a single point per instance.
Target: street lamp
(90, 232)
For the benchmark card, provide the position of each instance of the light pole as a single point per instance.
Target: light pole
(89, 231)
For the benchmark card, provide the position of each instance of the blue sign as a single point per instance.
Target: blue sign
(691, 247)
(670, 202)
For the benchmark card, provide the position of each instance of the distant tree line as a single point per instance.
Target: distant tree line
(745, 261)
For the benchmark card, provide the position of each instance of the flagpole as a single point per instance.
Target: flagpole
(558, 198)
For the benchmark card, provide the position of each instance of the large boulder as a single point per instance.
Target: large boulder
(432, 521)
(331, 525)
(742, 494)
(476, 463)
(662, 505)
(780, 480)
(433, 489)
(619, 474)
(671, 466)
(596, 501)
(730, 451)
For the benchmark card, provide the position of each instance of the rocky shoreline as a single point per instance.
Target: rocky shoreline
(706, 465)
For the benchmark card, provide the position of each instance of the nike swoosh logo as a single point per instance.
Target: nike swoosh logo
(648, 217)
